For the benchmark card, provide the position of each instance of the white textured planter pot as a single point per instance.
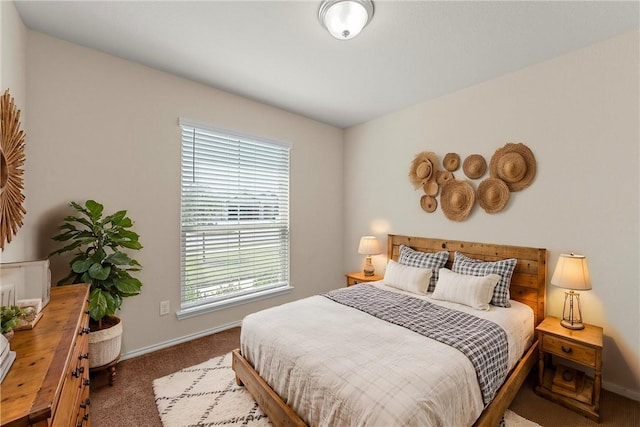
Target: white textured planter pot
(104, 345)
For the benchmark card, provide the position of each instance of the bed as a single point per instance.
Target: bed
(350, 360)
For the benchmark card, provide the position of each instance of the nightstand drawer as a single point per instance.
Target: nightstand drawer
(569, 350)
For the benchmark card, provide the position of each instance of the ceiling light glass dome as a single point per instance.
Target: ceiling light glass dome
(344, 19)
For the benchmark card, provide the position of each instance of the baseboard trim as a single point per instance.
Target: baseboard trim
(622, 391)
(180, 340)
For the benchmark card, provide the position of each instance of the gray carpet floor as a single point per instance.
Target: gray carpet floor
(130, 400)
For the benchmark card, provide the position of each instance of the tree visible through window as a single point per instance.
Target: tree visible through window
(234, 215)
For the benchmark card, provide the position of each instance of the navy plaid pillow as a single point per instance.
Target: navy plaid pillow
(434, 261)
(464, 265)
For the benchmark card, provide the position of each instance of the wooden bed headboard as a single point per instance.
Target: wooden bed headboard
(529, 281)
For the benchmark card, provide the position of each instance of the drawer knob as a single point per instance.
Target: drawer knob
(83, 356)
(86, 403)
(86, 417)
(567, 349)
(75, 374)
(86, 382)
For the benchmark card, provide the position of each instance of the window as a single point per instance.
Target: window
(234, 218)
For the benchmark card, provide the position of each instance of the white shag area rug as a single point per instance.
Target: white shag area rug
(207, 395)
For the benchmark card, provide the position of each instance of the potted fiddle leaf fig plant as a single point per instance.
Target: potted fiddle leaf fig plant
(99, 244)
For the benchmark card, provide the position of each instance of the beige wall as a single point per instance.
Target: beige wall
(107, 129)
(579, 114)
(13, 68)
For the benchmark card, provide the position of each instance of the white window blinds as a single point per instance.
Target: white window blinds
(234, 215)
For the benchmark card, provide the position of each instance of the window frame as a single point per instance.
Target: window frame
(206, 305)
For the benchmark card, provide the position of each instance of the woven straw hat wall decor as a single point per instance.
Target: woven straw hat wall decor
(515, 165)
(451, 162)
(512, 168)
(457, 199)
(474, 166)
(12, 160)
(424, 169)
(493, 195)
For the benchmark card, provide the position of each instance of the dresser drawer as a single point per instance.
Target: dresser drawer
(569, 350)
(76, 381)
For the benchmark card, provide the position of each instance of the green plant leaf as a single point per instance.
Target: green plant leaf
(85, 278)
(82, 265)
(79, 208)
(82, 221)
(118, 258)
(129, 286)
(115, 218)
(98, 271)
(65, 236)
(131, 244)
(125, 222)
(98, 304)
(99, 256)
(116, 303)
(67, 226)
(95, 209)
(127, 234)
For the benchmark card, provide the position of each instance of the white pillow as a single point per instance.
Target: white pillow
(474, 291)
(412, 279)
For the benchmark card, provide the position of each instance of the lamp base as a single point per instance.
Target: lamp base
(575, 325)
(368, 267)
(571, 313)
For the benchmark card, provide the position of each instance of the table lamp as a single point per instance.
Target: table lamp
(369, 245)
(572, 273)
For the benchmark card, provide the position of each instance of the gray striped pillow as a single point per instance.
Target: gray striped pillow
(464, 265)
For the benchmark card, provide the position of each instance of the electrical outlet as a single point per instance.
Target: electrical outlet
(164, 307)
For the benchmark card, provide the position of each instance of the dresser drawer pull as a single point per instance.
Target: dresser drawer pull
(86, 382)
(83, 356)
(84, 331)
(567, 349)
(85, 417)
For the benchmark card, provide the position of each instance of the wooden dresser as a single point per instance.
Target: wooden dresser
(48, 383)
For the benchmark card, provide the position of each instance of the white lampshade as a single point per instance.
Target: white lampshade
(572, 273)
(344, 19)
(369, 245)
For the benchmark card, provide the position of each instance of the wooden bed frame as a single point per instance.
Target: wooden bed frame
(528, 285)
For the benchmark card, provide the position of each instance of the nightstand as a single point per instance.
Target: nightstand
(359, 277)
(563, 384)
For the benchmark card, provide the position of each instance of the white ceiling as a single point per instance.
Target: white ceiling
(276, 52)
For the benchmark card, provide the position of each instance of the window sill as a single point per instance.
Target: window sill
(232, 302)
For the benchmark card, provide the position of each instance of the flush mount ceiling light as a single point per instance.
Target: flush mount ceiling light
(344, 19)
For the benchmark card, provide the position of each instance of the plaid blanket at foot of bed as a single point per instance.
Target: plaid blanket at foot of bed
(483, 342)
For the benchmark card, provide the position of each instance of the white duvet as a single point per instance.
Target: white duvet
(337, 366)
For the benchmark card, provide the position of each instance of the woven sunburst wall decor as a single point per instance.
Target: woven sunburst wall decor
(11, 170)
